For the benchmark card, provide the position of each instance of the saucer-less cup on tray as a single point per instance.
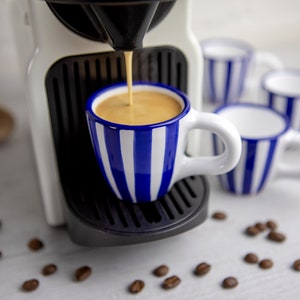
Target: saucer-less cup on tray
(141, 162)
(266, 135)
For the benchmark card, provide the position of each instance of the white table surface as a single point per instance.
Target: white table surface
(221, 243)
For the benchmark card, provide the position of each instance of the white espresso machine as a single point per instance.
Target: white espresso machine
(67, 51)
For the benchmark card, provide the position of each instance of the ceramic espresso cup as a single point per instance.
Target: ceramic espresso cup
(266, 135)
(229, 69)
(141, 162)
(281, 91)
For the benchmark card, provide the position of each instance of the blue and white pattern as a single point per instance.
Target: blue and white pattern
(226, 65)
(261, 146)
(281, 91)
(224, 80)
(253, 169)
(132, 163)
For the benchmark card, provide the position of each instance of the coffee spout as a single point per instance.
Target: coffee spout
(125, 25)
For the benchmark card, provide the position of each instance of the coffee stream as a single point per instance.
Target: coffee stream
(128, 65)
(120, 108)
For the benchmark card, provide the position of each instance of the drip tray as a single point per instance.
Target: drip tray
(107, 221)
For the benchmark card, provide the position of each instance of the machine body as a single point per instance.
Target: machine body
(61, 68)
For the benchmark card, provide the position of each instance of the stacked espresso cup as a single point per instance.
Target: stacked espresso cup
(264, 106)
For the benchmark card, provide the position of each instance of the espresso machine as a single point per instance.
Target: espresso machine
(68, 49)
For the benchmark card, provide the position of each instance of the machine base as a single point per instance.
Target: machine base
(106, 221)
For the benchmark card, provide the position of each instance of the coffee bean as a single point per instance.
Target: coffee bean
(276, 236)
(266, 263)
(271, 224)
(171, 282)
(230, 282)
(296, 265)
(136, 286)
(35, 244)
(30, 285)
(251, 258)
(82, 273)
(202, 269)
(260, 226)
(49, 269)
(219, 215)
(251, 230)
(161, 271)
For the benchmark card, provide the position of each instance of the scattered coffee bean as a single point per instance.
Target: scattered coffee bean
(171, 282)
(260, 226)
(251, 258)
(30, 285)
(296, 265)
(266, 263)
(35, 244)
(49, 269)
(251, 230)
(136, 286)
(219, 215)
(202, 269)
(82, 273)
(161, 271)
(271, 224)
(276, 236)
(230, 282)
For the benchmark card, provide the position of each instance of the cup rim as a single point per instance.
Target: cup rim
(108, 88)
(227, 41)
(261, 107)
(280, 72)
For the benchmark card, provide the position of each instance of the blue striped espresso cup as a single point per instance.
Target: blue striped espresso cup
(266, 134)
(281, 91)
(230, 68)
(140, 163)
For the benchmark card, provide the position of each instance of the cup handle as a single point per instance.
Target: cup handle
(211, 165)
(289, 169)
(264, 59)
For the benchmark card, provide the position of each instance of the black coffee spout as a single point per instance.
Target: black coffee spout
(121, 23)
(125, 25)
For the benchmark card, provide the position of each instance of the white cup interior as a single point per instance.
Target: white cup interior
(225, 49)
(283, 83)
(254, 122)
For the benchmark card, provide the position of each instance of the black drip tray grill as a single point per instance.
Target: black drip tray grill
(105, 220)
(94, 216)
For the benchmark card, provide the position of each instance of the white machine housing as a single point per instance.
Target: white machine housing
(41, 39)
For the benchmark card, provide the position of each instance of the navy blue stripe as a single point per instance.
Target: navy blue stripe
(228, 80)
(211, 72)
(289, 108)
(249, 167)
(169, 158)
(142, 164)
(268, 164)
(112, 141)
(270, 99)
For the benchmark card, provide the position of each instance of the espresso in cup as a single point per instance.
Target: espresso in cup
(148, 107)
